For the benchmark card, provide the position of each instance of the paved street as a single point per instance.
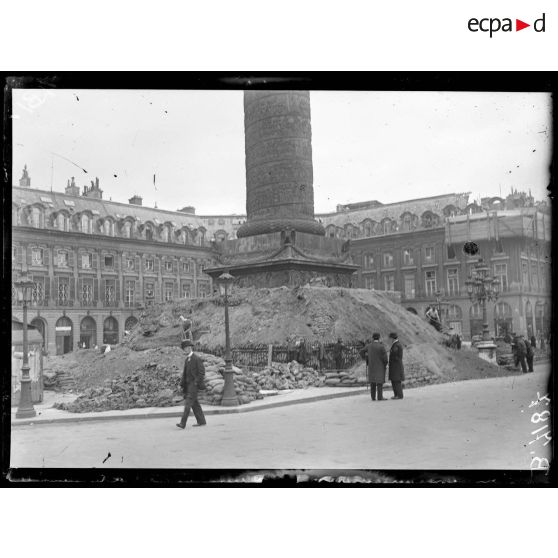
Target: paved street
(477, 424)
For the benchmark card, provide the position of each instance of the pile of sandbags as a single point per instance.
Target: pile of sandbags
(290, 375)
(344, 378)
(246, 388)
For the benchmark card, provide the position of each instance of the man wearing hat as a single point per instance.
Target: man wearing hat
(529, 353)
(193, 379)
(520, 352)
(396, 371)
(377, 361)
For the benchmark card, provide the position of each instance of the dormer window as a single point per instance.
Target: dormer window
(108, 227)
(62, 222)
(36, 217)
(85, 224)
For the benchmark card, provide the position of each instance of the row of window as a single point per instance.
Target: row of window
(39, 257)
(85, 223)
(406, 223)
(452, 281)
(87, 291)
(431, 283)
(408, 256)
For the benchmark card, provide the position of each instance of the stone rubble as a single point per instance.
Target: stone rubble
(156, 385)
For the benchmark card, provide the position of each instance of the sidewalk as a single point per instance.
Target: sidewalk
(46, 414)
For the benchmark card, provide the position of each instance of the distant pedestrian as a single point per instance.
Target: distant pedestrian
(377, 360)
(529, 355)
(396, 370)
(541, 342)
(338, 349)
(193, 379)
(520, 352)
(533, 342)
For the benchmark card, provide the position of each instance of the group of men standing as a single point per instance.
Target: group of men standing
(377, 360)
(523, 352)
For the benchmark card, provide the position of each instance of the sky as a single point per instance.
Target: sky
(385, 146)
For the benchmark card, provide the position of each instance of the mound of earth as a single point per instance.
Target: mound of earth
(271, 316)
(428, 363)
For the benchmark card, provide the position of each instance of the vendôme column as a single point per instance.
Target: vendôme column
(279, 177)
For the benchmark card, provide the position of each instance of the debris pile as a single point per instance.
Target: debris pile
(158, 385)
(290, 375)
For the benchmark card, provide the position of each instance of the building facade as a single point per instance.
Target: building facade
(416, 247)
(96, 263)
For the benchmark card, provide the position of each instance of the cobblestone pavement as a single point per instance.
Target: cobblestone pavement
(476, 424)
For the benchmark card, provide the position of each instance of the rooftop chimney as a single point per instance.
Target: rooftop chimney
(71, 188)
(93, 191)
(135, 200)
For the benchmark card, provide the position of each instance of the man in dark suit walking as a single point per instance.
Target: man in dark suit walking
(396, 370)
(193, 379)
(377, 361)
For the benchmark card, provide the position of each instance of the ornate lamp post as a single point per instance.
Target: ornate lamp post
(25, 408)
(229, 393)
(482, 288)
(438, 295)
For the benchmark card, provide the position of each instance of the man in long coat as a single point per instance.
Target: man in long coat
(377, 360)
(520, 352)
(396, 370)
(529, 354)
(192, 381)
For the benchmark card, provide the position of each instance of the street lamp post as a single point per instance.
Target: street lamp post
(481, 288)
(229, 398)
(438, 295)
(25, 408)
